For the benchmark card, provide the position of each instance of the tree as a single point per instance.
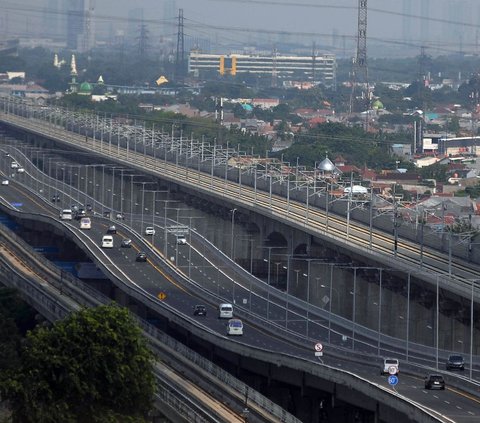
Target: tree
(94, 366)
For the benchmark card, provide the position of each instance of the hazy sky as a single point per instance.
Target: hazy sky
(451, 24)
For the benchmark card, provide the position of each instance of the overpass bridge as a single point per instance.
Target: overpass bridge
(297, 230)
(62, 287)
(55, 294)
(270, 201)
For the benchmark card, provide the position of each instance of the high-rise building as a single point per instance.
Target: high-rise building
(51, 19)
(75, 23)
(80, 25)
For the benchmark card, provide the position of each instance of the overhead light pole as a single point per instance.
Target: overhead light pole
(232, 245)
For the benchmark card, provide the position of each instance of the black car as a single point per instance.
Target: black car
(455, 362)
(126, 243)
(89, 207)
(434, 382)
(55, 198)
(112, 230)
(107, 214)
(141, 256)
(80, 213)
(199, 310)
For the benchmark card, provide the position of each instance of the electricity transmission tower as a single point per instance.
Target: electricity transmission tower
(143, 41)
(359, 68)
(180, 57)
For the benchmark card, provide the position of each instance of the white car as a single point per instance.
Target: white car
(234, 327)
(149, 230)
(181, 240)
(14, 165)
(107, 241)
(85, 223)
(5, 182)
(20, 170)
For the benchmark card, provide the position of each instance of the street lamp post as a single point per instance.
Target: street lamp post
(232, 246)
(471, 329)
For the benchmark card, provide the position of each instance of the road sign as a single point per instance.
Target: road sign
(393, 370)
(318, 354)
(318, 347)
(392, 380)
(16, 204)
(178, 229)
(162, 296)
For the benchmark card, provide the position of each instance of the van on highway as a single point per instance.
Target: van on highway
(107, 241)
(390, 366)
(225, 311)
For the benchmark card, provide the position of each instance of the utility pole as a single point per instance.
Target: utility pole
(360, 69)
(422, 78)
(180, 57)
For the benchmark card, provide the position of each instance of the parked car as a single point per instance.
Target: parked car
(149, 230)
(455, 362)
(199, 310)
(390, 366)
(141, 256)
(112, 229)
(434, 382)
(126, 243)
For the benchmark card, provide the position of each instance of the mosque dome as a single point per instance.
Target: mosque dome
(326, 165)
(85, 88)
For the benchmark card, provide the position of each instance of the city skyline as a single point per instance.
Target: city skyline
(442, 26)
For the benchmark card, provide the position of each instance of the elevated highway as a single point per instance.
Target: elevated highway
(190, 388)
(119, 263)
(293, 220)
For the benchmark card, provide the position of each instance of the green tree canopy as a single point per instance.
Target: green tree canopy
(94, 366)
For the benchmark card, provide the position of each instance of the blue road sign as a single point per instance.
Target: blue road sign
(16, 204)
(392, 380)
